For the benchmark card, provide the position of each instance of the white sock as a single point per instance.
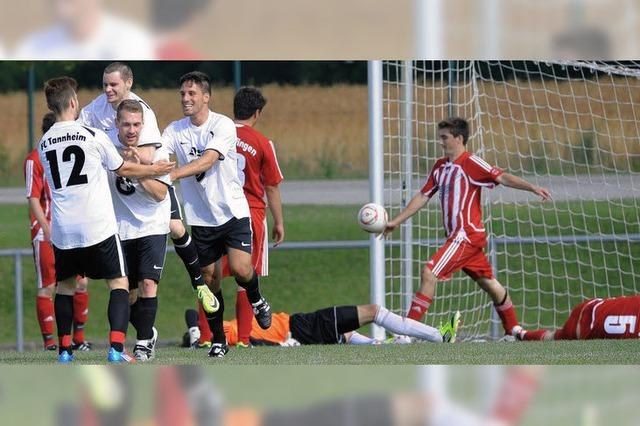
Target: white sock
(360, 339)
(194, 335)
(399, 325)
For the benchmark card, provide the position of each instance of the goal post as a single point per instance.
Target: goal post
(570, 126)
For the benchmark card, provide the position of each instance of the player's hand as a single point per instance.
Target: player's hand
(46, 231)
(131, 154)
(162, 167)
(542, 192)
(391, 226)
(277, 234)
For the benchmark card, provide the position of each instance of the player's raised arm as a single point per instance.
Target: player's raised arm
(417, 202)
(507, 179)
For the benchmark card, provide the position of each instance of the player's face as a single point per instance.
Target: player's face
(129, 127)
(115, 87)
(194, 99)
(450, 144)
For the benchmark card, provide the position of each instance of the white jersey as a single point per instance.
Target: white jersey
(112, 37)
(75, 160)
(214, 197)
(101, 115)
(137, 212)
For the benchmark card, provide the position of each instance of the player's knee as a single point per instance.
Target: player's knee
(176, 228)
(81, 284)
(242, 271)
(148, 288)
(46, 291)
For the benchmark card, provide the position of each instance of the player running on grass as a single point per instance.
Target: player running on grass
(334, 325)
(611, 318)
(459, 178)
(84, 231)
(204, 143)
(117, 81)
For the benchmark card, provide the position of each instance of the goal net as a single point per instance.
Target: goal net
(571, 127)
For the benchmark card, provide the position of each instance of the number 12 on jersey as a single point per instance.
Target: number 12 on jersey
(76, 177)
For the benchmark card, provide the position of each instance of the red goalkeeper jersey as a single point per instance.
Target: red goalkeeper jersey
(257, 164)
(612, 318)
(37, 187)
(459, 184)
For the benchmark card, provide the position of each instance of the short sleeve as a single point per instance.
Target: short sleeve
(431, 186)
(85, 117)
(168, 141)
(109, 155)
(223, 139)
(271, 173)
(481, 173)
(34, 178)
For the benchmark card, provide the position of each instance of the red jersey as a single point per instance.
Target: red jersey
(460, 183)
(37, 187)
(612, 318)
(257, 165)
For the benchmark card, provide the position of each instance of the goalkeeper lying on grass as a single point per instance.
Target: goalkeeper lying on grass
(328, 326)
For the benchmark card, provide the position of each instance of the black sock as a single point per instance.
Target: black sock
(147, 308)
(252, 288)
(63, 307)
(134, 317)
(215, 321)
(118, 313)
(186, 250)
(191, 318)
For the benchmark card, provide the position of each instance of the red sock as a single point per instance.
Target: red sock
(534, 335)
(46, 318)
(80, 311)
(515, 395)
(203, 325)
(419, 306)
(508, 316)
(244, 315)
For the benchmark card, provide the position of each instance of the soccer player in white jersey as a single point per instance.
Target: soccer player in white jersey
(84, 229)
(142, 210)
(117, 81)
(459, 177)
(204, 143)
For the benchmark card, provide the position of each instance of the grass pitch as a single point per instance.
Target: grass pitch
(466, 353)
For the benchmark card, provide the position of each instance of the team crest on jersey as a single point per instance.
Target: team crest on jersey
(194, 152)
(125, 185)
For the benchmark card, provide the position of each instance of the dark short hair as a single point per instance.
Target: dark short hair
(122, 68)
(199, 78)
(59, 91)
(457, 126)
(130, 105)
(48, 120)
(247, 101)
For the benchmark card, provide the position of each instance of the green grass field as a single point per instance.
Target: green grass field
(305, 280)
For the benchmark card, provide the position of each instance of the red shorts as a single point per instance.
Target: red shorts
(259, 242)
(44, 261)
(453, 256)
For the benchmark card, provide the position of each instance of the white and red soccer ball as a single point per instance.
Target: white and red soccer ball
(372, 218)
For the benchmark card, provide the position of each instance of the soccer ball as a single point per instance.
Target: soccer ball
(372, 218)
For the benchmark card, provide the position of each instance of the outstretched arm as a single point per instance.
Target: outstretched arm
(507, 179)
(202, 164)
(134, 170)
(417, 202)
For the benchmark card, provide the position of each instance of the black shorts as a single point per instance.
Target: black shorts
(104, 260)
(176, 213)
(325, 326)
(145, 258)
(212, 241)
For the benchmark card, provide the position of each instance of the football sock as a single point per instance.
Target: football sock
(191, 318)
(215, 321)
(203, 324)
(118, 313)
(515, 395)
(252, 287)
(186, 250)
(46, 318)
(405, 326)
(63, 305)
(80, 312)
(507, 314)
(134, 314)
(244, 315)
(147, 308)
(360, 339)
(419, 306)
